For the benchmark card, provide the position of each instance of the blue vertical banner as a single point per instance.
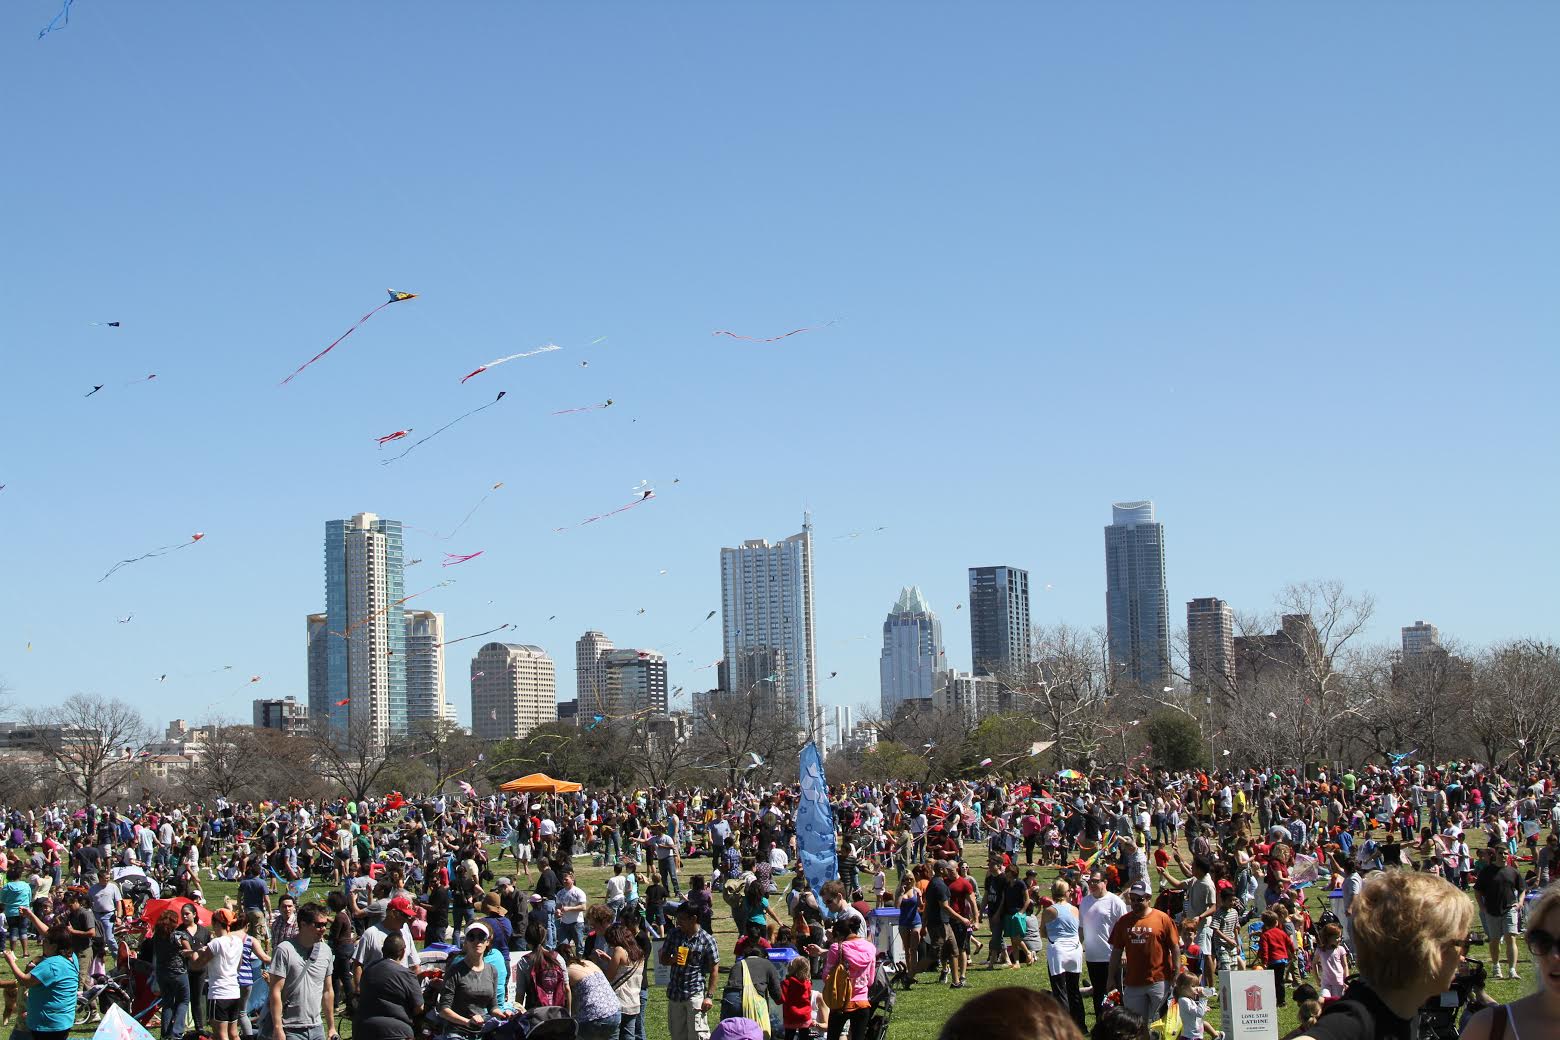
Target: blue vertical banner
(815, 840)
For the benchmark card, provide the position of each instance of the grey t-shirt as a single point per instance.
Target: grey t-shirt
(303, 981)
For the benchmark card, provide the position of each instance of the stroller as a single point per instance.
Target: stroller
(135, 978)
(881, 996)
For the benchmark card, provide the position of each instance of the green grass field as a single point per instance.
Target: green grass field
(919, 1014)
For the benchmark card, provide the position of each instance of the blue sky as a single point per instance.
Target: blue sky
(1288, 270)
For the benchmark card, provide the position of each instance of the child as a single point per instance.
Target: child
(1274, 950)
(1332, 963)
(880, 885)
(1193, 1005)
(1307, 1005)
(796, 1000)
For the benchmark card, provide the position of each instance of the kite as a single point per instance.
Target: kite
(513, 357)
(343, 702)
(163, 677)
(584, 364)
(1397, 760)
(475, 635)
(468, 516)
(197, 536)
(467, 789)
(985, 762)
(641, 500)
(596, 720)
(413, 563)
(585, 408)
(451, 559)
(106, 324)
(833, 675)
(387, 438)
(94, 390)
(395, 297)
(60, 21)
(441, 429)
(126, 619)
(773, 339)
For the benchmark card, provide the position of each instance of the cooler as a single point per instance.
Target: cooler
(883, 930)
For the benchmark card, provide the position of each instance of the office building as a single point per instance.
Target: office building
(283, 714)
(425, 699)
(365, 657)
(767, 605)
(838, 721)
(1210, 638)
(971, 697)
(1419, 638)
(1278, 660)
(1137, 600)
(319, 675)
(514, 689)
(912, 652)
(590, 676)
(635, 683)
(999, 620)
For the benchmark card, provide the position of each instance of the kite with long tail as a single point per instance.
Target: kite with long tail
(105, 324)
(586, 408)
(513, 357)
(772, 339)
(165, 550)
(395, 297)
(647, 496)
(476, 635)
(451, 559)
(371, 615)
(441, 429)
(387, 438)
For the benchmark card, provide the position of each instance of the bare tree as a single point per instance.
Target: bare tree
(352, 757)
(743, 735)
(92, 742)
(223, 761)
(445, 749)
(1067, 686)
(1517, 699)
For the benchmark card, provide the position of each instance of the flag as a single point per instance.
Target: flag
(815, 841)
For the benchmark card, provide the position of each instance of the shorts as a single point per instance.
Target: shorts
(1498, 926)
(961, 936)
(224, 1010)
(1015, 926)
(941, 934)
(523, 853)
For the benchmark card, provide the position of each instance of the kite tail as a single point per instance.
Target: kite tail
(338, 339)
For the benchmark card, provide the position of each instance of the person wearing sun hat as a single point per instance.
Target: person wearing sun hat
(495, 915)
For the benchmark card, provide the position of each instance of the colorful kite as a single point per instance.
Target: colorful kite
(387, 438)
(513, 357)
(197, 536)
(60, 21)
(641, 500)
(395, 297)
(343, 702)
(467, 789)
(585, 408)
(773, 339)
(441, 429)
(451, 559)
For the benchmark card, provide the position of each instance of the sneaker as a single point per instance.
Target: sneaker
(1514, 972)
(1498, 974)
(942, 976)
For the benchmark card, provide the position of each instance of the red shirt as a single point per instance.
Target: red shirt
(796, 1002)
(1275, 945)
(963, 890)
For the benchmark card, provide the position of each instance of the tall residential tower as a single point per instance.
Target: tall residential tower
(514, 689)
(999, 619)
(1210, 637)
(767, 605)
(1137, 600)
(425, 700)
(590, 676)
(365, 650)
(912, 653)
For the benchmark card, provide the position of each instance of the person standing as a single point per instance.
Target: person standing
(547, 888)
(571, 910)
(50, 987)
(398, 912)
(694, 959)
(391, 999)
(169, 951)
(1098, 912)
(1145, 954)
(302, 999)
(1063, 955)
(1498, 888)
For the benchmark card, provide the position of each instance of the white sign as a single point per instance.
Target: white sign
(1249, 1005)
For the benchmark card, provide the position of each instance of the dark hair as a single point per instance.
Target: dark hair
(1014, 1012)
(624, 936)
(336, 900)
(394, 947)
(846, 926)
(313, 913)
(1119, 1023)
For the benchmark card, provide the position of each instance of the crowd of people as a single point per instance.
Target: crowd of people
(1358, 891)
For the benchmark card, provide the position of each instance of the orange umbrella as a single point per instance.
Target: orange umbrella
(539, 783)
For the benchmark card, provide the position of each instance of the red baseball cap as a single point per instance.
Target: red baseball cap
(403, 906)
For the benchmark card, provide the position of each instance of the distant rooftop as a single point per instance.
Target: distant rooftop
(911, 601)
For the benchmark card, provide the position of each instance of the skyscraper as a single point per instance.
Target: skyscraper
(767, 605)
(319, 676)
(635, 683)
(365, 655)
(1420, 637)
(514, 689)
(590, 677)
(1137, 601)
(425, 700)
(999, 619)
(912, 652)
(282, 714)
(1210, 637)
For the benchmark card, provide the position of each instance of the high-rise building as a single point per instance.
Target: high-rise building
(635, 683)
(839, 725)
(319, 674)
(767, 604)
(1280, 659)
(425, 700)
(1210, 638)
(590, 675)
(365, 656)
(1137, 600)
(514, 689)
(972, 697)
(1420, 637)
(999, 619)
(912, 652)
(283, 714)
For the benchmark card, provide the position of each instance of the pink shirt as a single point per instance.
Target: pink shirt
(1331, 965)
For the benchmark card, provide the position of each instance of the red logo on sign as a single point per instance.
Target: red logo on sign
(1253, 998)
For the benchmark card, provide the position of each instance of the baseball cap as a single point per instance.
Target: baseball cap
(1139, 888)
(505, 881)
(402, 905)
(225, 917)
(536, 897)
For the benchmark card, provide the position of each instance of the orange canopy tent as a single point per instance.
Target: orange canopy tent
(540, 783)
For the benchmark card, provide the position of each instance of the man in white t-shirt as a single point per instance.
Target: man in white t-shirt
(571, 910)
(1098, 912)
(370, 947)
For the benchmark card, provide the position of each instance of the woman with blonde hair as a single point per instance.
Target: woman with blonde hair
(1538, 1014)
(1410, 937)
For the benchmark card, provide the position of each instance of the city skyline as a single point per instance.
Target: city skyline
(1186, 226)
(912, 653)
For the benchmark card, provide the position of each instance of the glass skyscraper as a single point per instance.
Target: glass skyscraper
(912, 652)
(767, 606)
(1137, 600)
(999, 619)
(365, 653)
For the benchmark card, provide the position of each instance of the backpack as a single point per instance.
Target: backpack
(837, 988)
(733, 891)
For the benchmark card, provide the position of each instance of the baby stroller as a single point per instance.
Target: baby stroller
(881, 996)
(135, 977)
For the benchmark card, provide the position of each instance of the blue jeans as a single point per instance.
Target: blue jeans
(551, 907)
(600, 1028)
(175, 1004)
(575, 931)
(639, 1019)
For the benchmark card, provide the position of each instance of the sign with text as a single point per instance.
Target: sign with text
(1249, 1005)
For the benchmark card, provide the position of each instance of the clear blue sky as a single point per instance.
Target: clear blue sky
(1288, 270)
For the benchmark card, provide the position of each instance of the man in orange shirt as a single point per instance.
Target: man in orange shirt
(1145, 955)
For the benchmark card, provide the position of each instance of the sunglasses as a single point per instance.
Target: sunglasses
(1541, 943)
(476, 937)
